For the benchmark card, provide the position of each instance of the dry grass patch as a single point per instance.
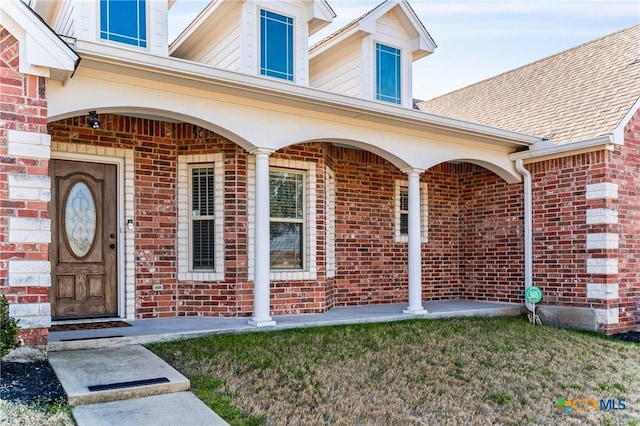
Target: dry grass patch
(462, 371)
(15, 413)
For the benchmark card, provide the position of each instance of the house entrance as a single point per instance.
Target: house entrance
(83, 251)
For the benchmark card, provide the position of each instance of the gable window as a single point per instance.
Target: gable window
(287, 219)
(388, 74)
(202, 218)
(124, 21)
(276, 45)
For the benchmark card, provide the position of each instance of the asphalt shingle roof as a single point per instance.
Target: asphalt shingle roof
(575, 95)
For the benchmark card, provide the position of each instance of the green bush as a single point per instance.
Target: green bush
(8, 329)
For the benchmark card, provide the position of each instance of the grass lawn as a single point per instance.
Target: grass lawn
(460, 371)
(54, 414)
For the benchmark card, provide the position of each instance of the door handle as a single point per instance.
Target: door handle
(112, 246)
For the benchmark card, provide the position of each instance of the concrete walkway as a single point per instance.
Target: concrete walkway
(127, 385)
(111, 379)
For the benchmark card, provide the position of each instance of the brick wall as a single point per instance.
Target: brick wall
(371, 265)
(441, 254)
(156, 147)
(625, 171)
(24, 195)
(492, 233)
(474, 247)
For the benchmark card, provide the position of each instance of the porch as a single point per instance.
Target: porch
(162, 329)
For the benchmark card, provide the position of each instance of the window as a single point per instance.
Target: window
(200, 242)
(276, 45)
(404, 210)
(123, 21)
(202, 219)
(287, 219)
(387, 74)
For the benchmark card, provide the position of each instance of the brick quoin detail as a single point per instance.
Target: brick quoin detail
(560, 228)
(23, 107)
(623, 170)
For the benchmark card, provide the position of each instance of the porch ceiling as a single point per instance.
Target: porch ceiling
(259, 112)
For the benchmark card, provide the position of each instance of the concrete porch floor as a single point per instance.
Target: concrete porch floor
(164, 329)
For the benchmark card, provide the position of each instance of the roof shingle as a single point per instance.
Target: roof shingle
(575, 95)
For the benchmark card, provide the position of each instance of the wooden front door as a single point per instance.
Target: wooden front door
(83, 252)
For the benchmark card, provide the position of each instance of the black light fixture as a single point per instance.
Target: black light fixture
(94, 123)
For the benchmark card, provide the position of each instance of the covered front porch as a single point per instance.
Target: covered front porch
(163, 329)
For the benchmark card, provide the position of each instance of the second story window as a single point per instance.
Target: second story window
(388, 74)
(276, 45)
(124, 21)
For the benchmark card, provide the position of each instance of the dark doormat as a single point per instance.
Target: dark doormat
(88, 326)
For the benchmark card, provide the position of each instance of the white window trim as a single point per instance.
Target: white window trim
(330, 222)
(302, 221)
(368, 64)
(424, 212)
(310, 237)
(294, 21)
(184, 272)
(147, 11)
(401, 53)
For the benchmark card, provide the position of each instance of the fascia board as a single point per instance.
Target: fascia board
(40, 47)
(547, 150)
(618, 132)
(184, 71)
(323, 11)
(426, 41)
(195, 25)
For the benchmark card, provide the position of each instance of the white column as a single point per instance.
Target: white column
(415, 245)
(261, 290)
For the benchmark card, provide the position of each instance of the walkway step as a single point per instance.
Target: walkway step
(181, 408)
(111, 374)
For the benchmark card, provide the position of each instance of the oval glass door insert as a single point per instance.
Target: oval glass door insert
(80, 219)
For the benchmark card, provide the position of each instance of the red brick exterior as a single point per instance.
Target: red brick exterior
(371, 265)
(23, 107)
(474, 248)
(560, 228)
(492, 236)
(625, 168)
(475, 231)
